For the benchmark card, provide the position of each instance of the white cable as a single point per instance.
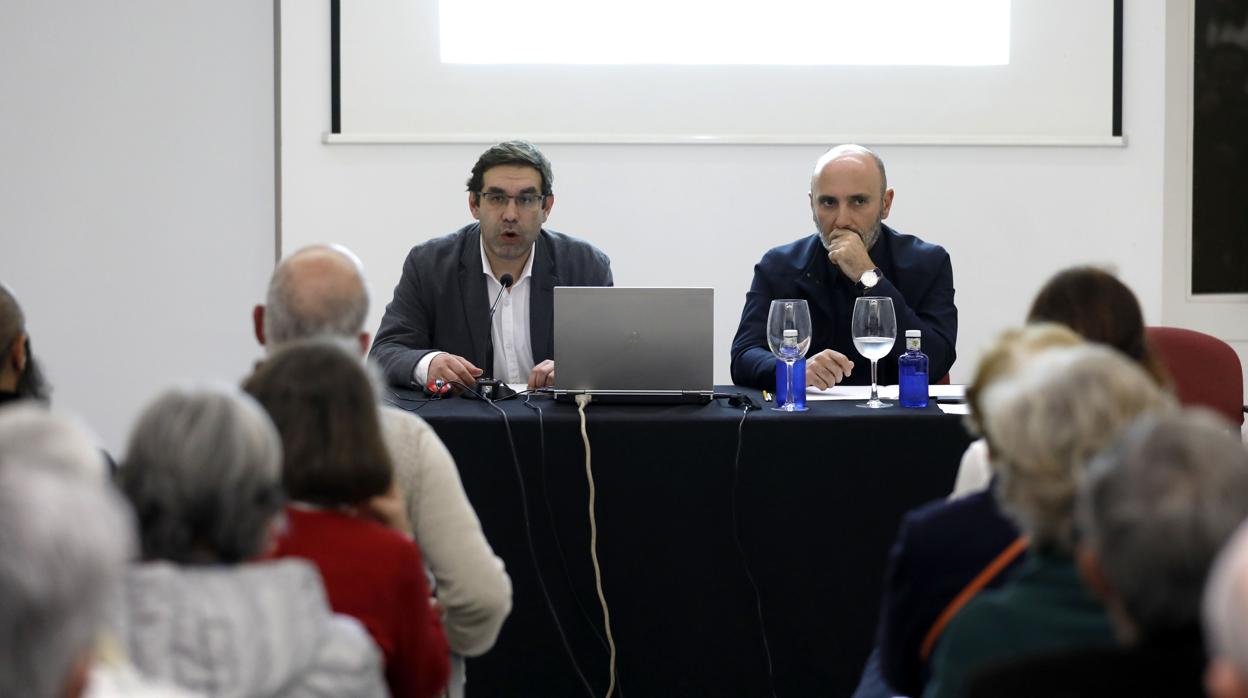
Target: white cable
(582, 400)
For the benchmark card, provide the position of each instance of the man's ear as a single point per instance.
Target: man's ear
(365, 338)
(886, 204)
(257, 321)
(547, 205)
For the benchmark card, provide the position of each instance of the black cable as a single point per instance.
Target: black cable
(528, 532)
(395, 399)
(736, 537)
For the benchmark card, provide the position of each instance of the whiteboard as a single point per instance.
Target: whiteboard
(1058, 87)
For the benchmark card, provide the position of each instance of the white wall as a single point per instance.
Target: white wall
(137, 196)
(703, 215)
(137, 202)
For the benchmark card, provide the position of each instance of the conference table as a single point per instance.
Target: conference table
(741, 554)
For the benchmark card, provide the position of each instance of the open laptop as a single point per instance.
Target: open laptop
(634, 345)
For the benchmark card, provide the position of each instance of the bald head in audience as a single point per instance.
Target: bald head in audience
(318, 291)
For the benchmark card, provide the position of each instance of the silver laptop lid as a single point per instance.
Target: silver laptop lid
(634, 340)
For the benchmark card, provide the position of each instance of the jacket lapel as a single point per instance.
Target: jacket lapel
(542, 300)
(472, 291)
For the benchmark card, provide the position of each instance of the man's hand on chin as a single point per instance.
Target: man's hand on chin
(848, 252)
(827, 368)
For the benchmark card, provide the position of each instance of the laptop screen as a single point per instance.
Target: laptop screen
(634, 340)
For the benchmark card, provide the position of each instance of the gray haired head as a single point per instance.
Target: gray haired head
(318, 291)
(203, 471)
(1156, 510)
(1049, 420)
(32, 433)
(64, 544)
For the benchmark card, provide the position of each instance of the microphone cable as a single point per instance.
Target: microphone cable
(528, 532)
(742, 400)
(581, 401)
(395, 399)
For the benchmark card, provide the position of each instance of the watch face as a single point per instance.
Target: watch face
(870, 278)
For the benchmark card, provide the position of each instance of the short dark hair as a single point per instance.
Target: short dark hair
(32, 383)
(1101, 309)
(323, 405)
(521, 153)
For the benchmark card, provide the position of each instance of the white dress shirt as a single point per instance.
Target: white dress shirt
(513, 350)
(509, 333)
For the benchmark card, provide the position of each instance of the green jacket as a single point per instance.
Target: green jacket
(1046, 607)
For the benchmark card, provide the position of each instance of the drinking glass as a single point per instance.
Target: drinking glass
(788, 335)
(874, 331)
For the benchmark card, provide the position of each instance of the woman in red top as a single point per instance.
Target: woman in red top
(344, 516)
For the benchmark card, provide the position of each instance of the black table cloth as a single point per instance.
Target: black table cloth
(818, 497)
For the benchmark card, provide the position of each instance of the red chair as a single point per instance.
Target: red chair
(1205, 370)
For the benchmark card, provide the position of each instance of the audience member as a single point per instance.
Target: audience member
(1045, 424)
(203, 472)
(335, 469)
(851, 254)
(1101, 309)
(1153, 514)
(438, 326)
(319, 291)
(31, 433)
(948, 550)
(1225, 615)
(20, 374)
(64, 542)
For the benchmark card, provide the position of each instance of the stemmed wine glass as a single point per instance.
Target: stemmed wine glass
(788, 335)
(874, 331)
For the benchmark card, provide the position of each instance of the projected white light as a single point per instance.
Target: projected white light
(726, 32)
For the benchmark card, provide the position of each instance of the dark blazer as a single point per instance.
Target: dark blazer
(917, 276)
(940, 548)
(440, 302)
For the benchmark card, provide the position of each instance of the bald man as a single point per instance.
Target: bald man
(851, 254)
(319, 291)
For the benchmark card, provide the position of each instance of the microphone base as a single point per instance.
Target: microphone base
(489, 389)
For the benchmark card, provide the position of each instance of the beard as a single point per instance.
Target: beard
(868, 237)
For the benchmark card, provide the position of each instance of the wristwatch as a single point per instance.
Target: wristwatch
(870, 278)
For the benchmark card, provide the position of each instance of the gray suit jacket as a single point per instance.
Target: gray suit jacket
(440, 302)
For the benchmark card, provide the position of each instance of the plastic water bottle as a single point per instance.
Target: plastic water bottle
(789, 348)
(912, 372)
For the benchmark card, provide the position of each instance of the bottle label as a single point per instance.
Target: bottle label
(913, 343)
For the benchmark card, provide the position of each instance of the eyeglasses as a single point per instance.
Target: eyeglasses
(499, 200)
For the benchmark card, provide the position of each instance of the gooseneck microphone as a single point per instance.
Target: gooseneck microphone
(486, 387)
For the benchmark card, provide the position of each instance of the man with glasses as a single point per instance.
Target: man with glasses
(851, 254)
(438, 326)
